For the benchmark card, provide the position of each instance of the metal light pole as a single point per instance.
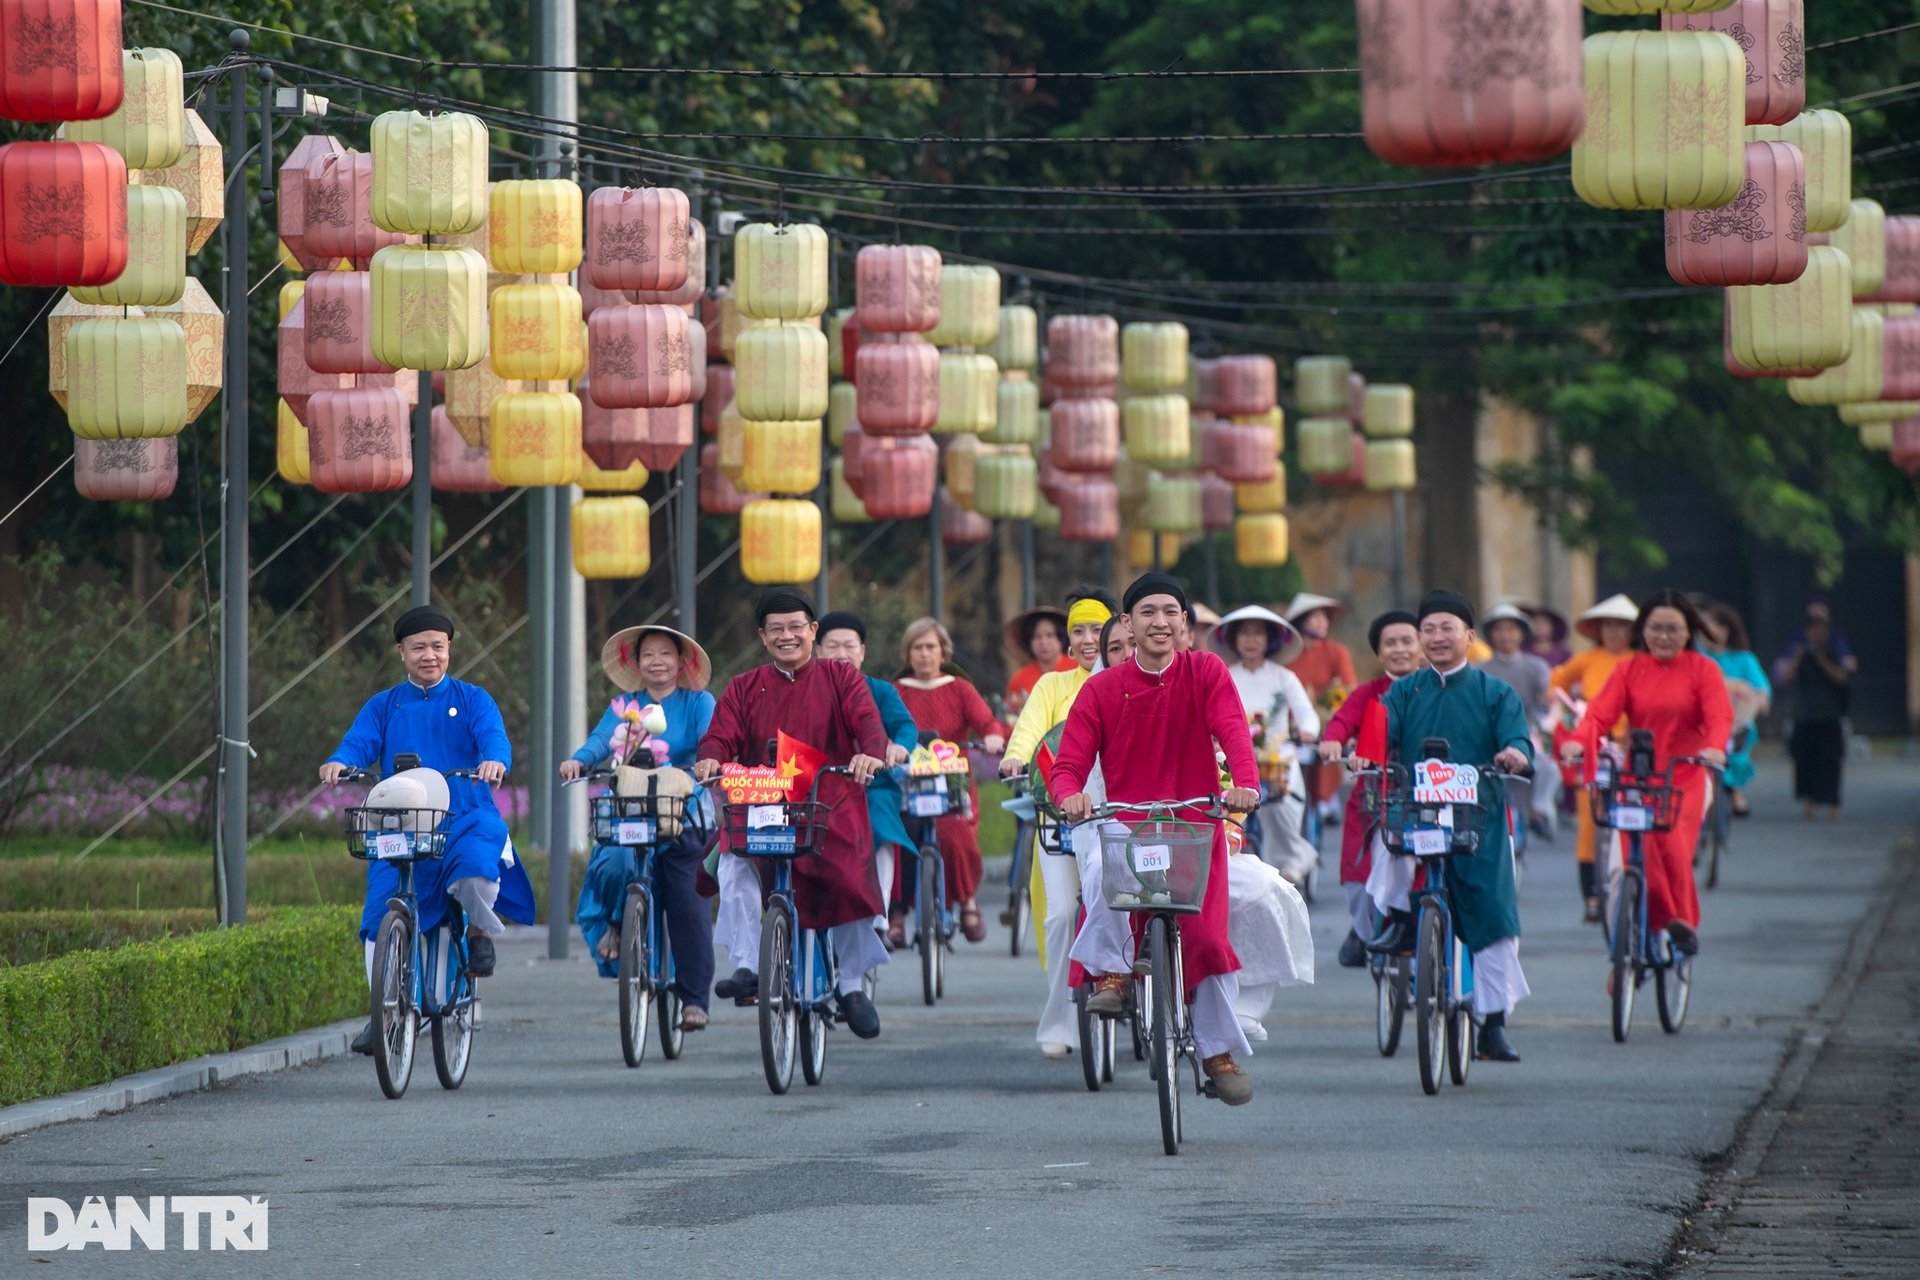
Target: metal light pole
(235, 483)
(1027, 584)
(423, 493)
(1400, 549)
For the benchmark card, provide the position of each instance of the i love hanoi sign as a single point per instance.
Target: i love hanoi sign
(1443, 782)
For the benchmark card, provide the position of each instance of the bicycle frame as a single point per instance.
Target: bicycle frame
(1460, 960)
(430, 997)
(812, 950)
(659, 952)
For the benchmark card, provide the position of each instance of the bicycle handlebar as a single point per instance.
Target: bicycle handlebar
(1209, 804)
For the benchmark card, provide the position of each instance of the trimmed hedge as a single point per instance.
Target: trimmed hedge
(88, 1017)
(30, 936)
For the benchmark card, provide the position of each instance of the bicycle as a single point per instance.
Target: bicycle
(1717, 833)
(1311, 824)
(924, 801)
(1158, 868)
(1018, 917)
(1633, 798)
(798, 973)
(412, 980)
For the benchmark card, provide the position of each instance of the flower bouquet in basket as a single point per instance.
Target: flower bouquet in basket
(1271, 750)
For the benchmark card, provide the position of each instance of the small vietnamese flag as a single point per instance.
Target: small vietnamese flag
(799, 761)
(1371, 742)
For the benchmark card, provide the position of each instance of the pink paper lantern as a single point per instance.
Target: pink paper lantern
(1761, 238)
(298, 380)
(1906, 445)
(1243, 454)
(1244, 385)
(1773, 33)
(1902, 283)
(1089, 509)
(617, 438)
(126, 470)
(459, 467)
(637, 238)
(1206, 386)
(898, 476)
(719, 396)
(1085, 435)
(339, 222)
(290, 200)
(1216, 502)
(359, 441)
(853, 465)
(694, 287)
(718, 497)
(339, 323)
(897, 288)
(1083, 351)
(898, 387)
(640, 357)
(960, 527)
(1900, 358)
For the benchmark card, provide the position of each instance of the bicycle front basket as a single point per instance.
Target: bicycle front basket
(635, 821)
(790, 830)
(940, 795)
(1633, 804)
(1156, 864)
(1417, 829)
(396, 835)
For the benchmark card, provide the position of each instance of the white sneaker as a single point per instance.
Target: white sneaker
(1255, 1032)
(1054, 1049)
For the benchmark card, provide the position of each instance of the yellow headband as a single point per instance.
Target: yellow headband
(1087, 610)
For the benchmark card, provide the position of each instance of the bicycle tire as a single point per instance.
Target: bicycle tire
(1430, 1006)
(1088, 1026)
(1717, 843)
(1390, 1000)
(814, 1021)
(929, 891)
(392, 1009)
(1673, 985)
(453, 1046)
(1624, 973)
(1141, 1001)
(1166, 1023)
(669, 1008)
(1020, 901)
(1109, 1047)
(636, 988)
(779, 1016)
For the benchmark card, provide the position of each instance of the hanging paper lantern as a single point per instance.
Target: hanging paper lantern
(852, 451)
(470, 395)
(290, 200)
(1803, 325)
(291, 292)
(1130, 478)
(1902, 239)
(339, 323)
(1085, 435)
(429, 173)
(1354, 475)
(148, 128)
(125, 470)
(339, 225)
(429, 306)
(1016, 340)
(1877, 437)
(1388, 411)
(458, 467)
(359, 441)
(611, 538)
(1905, 445)
(534, 438)
(1203, 385)
(897, 288)
(718, 497)
(298, 379)
(1356, 400)
(969, 306)
(837, 341)
(780, 457)
(535, 332)
(641, 356)
(1389, 465)
(1260, 540)
(843, 501)
(60, 60)
(205, 327)
(1863, 238)
(1263, 496)
(617, 438)
(1216, 503)
(780, 272)
(1243, 454)
(631, 478)
(843, 408)
(63, 214)
(199, 176)
(1143, 544)
(1760, 238)
(290, 446)
(723, 321)
(719, 396)
(1016, 417)
(1739, 370)
(1320, 384)
(1900, 357)
(780, 372)
(1326, 446)
(1772, 35)
(1046, 516)
(66, 313)
(1158, 431)
(780, 541)
(898, 476)
(1153, 356)
(960, 466)
(1173, 503)
(899, 387)
(1863, 415)
(1664, 119)
(1858, 377)
(732, 440)
(1083, 351)
(592, 297)
(1089, 509)
(1825, 140)
(960, 527)
(1443, 86)
(533, 226)
(1005, 484)
(638, 238)
(969, 396)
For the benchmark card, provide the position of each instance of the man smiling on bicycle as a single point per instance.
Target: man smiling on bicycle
(1152, 724)
(448, 724)
(1481, 719)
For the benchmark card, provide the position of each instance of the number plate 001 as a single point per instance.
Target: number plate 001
(1152, 857)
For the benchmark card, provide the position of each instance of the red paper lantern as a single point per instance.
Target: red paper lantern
(459, 467)
(637, 238)
(339, 189)
(1906, 445)
(126, 470)
(1086, 435)
(718, 497)
(719, 396)
(291, 197)
(1243, 453)
(897, 288)
(60, 60)
(1244, 385)
(1761, 238)
(339, 323)
(898, 386)
(898, 476)
(640, 357)
(359, 441)
(853, 464)
(1216, 502)
(1083, 351)
(1445, 85)
(1089, 509)
(63, 214)
(1773, 34)
(1902, 283)
(298, 379)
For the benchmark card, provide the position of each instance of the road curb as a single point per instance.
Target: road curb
(314, 1045)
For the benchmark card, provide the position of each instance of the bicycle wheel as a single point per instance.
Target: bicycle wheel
(926, 909)
(1109, 1047)
(1390, 999)
(453, 1046)
(1624, 973)
(1430, 1005)
(1020, 900)
(1166, 1041)
(814, 1019)
(396, 1018)
(1089, 1026)
(1673, 984)
(636, 988)
(779, 1011)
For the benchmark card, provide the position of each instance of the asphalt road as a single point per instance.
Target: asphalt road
(949, 1146)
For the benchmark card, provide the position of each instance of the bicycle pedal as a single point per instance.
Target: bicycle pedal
(745, 1002)
(1208, 1089)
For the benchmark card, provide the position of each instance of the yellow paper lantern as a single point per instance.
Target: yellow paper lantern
(1320, 384)
(969, 306)
(66, 313)
(1153, 356)
(612, 538)
(536, 332)
(780, 541)
(1265, 496)
(1862, 415)
(837, 342)
(126, 379)
(843, 409)
(846, 504)
(731, 440)
(969, 393)
(533, 438)
(429, 174)
(1665, 114)
(1804, 325)
(1173, 503)
(780, 272)
(1158, 429)
(1390, 465)
(1857, 378)
(1863, 238)
(535, 226)
(200, 176)
(780, 372)
(1825, 139)
(1260, 541)
(779, 457)
(290, 294)
(1326, 446)
(597, 479)
(205, 326)
(960, 465)
(290, 446)
(1006, 484)
(1877, 436)
(430, 305)
(156, 273)
(1016, 341)
(1388, 411)
(1140, 548)
(1017, 417)
(150, 126)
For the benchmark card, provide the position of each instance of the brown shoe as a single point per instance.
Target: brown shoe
(1109, 996)
(1230, 1084)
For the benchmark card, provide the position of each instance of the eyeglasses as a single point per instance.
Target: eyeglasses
(786, 629)
(1666, 629)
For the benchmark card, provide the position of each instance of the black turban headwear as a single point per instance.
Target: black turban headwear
(424, 617)
(1385, 620)
(1155, 583)
(1444, 601)
(782, 600)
